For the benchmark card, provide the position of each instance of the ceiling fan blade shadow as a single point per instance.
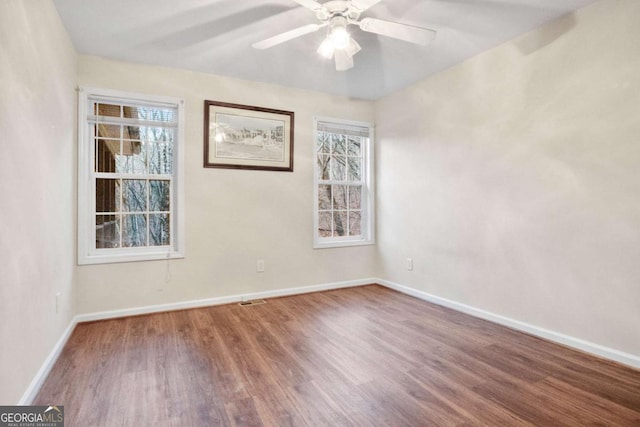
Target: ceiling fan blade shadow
(506, 9)
(309, 4)
(364, 4)
(401, 9)
(408, 33)
(286, 36)
(216, 28)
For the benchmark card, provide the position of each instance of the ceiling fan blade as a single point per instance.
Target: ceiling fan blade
(309, 4)
(344, 61)
(281, 38)
(363, 5)
(404, 32)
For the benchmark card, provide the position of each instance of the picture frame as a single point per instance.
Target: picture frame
(247, 137)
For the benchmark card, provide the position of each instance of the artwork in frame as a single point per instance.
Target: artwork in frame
(247, 137)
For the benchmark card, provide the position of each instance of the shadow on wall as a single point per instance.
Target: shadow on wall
(539, 39)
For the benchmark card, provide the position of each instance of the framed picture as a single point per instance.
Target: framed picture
(246, 137)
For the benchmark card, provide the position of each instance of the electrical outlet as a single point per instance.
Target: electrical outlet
(260, 266)
(410, 264)
(58, 295)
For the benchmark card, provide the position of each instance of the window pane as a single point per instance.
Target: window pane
(131, 112)
(156, 134)
(107, 231)
(354, 146)
(160, 157)
(339, 197)
(355, 197)
(354, 223)
(354, 169)
(131, 132)
(339, 223)
(107, 195)
(159, 230)
(324, 143)
(108, 131)
(133, 158)
(159, 196)
(324, 224)
(323, 167)
(107, 150)
(324, 197)
(338, 144)
(134, 195)
(111, 110)
(150, 113)
(134, 230)
(338, 164)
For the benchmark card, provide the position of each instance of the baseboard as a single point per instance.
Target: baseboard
(207, 302)
(577, 343)
(38, 380)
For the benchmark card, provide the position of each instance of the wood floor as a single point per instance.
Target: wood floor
(365, 356)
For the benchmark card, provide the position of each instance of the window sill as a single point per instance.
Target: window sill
(120, 258)
(342, 244)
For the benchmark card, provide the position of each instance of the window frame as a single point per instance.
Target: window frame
(367, 225)
(87, 252)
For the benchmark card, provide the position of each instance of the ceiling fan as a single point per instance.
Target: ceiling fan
(337, 15)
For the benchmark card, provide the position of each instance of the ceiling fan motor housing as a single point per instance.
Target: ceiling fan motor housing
(338, 8)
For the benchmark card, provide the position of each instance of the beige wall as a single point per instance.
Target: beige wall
(513, 179)
(233, 217)
(37, 225)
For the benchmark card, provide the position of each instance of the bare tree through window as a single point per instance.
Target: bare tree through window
(135, 166)
(340, 182)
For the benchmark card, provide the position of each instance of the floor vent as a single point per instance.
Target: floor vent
(252, 302)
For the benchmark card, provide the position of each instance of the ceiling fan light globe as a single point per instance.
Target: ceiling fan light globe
(340, 37)
(326, 48)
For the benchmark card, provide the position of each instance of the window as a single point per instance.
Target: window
(343, 190)
(129, 177)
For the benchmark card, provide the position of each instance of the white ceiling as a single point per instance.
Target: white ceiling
(215, 36)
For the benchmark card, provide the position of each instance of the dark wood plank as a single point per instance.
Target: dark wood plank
(453, 384)
(364, 356)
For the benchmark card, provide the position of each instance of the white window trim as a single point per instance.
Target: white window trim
(87, 254)
(368, 196)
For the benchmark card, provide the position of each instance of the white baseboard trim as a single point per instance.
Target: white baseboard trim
(89, 317)
(577, 343)
(38, 380)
